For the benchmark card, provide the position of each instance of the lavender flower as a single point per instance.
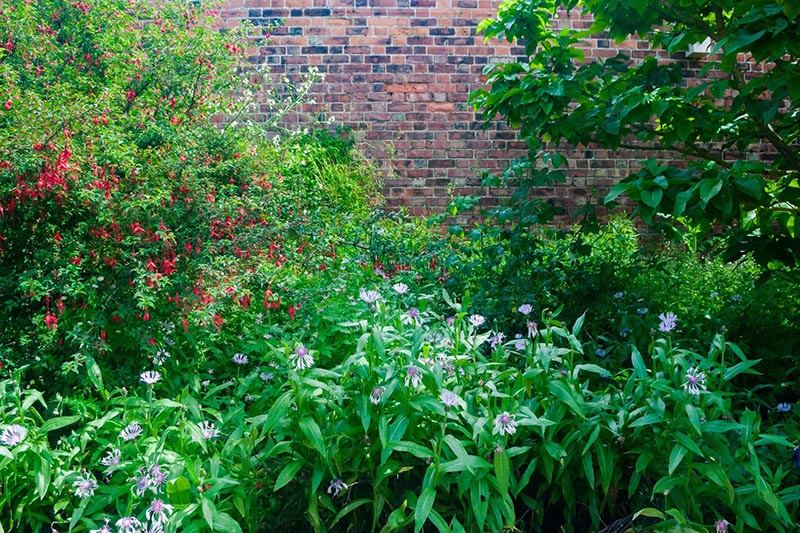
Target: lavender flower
(267, 376)
(525, 309)
(496, 340)
(158, 512)
(369, 296)
(130, 432)
(519, 345)
(400, 288)
(209, 430)
(375, 396)
(476, 320)
(450, 320)
(668, 322)
(504, 424)
(301, 358)
(721, 526)
(112, 457)
(413, 377)
(783, 407)
(160, 357)
(142, 483)
(533, 329)
(128, 524)
(695, 381)
(240, 359)
(13, 435)
(151, 377)
(449, 398)
(619, 295)
(336, 486)
(158, 475)
(84, 486)
(413, 312)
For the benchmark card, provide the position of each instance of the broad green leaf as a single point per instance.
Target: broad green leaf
(502, 471)
(709, 188)
(311, 430)
(717, 474)
(646, 420)
(694, 418)
(563, 392)
(179, 491)
(41, 473)
(58, 423)
(639, 368)
(743, 367)
(423, 507)
(288, 473)
(675, 457)
(688, 443)
(652, 197)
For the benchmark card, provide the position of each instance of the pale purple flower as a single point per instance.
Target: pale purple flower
(13, 435)
(504, 424)
(476, 320)
(721, 526)
(209, 430)
(240, 359)
(158, 512)
(375, 396)
(400, 288)
(736, 298)
(84, 486)
(533, 329)
(668, 322)
(112, 457)
(131, 431)
(161, 356)
(151, 377)
(259, 318)
(142, 483)
(128, 524)
(619, 295)
(301, 358)
(413, 377)
(369, 296)
(336, 486)
(783, 407)
(496, 339)
(695, 381)
(104, 529)
(449, 398)
(519, 345)
(413, 312)
(158, 475)
(525, 309)
(267, 376)
(450, 320)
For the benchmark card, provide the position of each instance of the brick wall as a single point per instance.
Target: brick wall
(399, 73)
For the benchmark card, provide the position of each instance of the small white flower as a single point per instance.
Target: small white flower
(112, 457)
(525, 309)
(13, 435)
(449, 398)
(369, 296)
(504, 424)
(128, 524)
(302, 359)
(151, 377)
(84, 486)
(695, 381)
(375, 396)
(336, 486)
(400, 288)
(158, 512)
(131, 431)
(476, 320)
(413, 377)
(240, 359)
(209, 430)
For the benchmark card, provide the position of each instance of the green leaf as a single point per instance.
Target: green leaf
(675, 457)
(502, 471)
(646, 420)
(58, 423)
(94, 374)
(694, 418)
(288, 473)
(563, 392)
(179, 491)
(41, 473)
(743, 367)
(718, 476)
(652, 197)
(639, 368)
(377, 339)
(709, 188)
(352, 506)
(423, 507)
(311, 430)
(688, 443)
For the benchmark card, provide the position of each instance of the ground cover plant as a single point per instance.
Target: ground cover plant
(212, 330)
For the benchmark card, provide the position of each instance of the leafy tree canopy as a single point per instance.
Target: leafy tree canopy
(734, 126)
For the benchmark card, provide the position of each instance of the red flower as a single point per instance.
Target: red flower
(50, 321)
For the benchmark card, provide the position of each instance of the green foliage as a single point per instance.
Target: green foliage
(123, 204)
(715, 124)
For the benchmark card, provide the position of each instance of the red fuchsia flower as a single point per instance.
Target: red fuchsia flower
(7, 105)
(50, 320)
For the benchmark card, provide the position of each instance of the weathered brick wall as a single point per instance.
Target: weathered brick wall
(399, 73)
